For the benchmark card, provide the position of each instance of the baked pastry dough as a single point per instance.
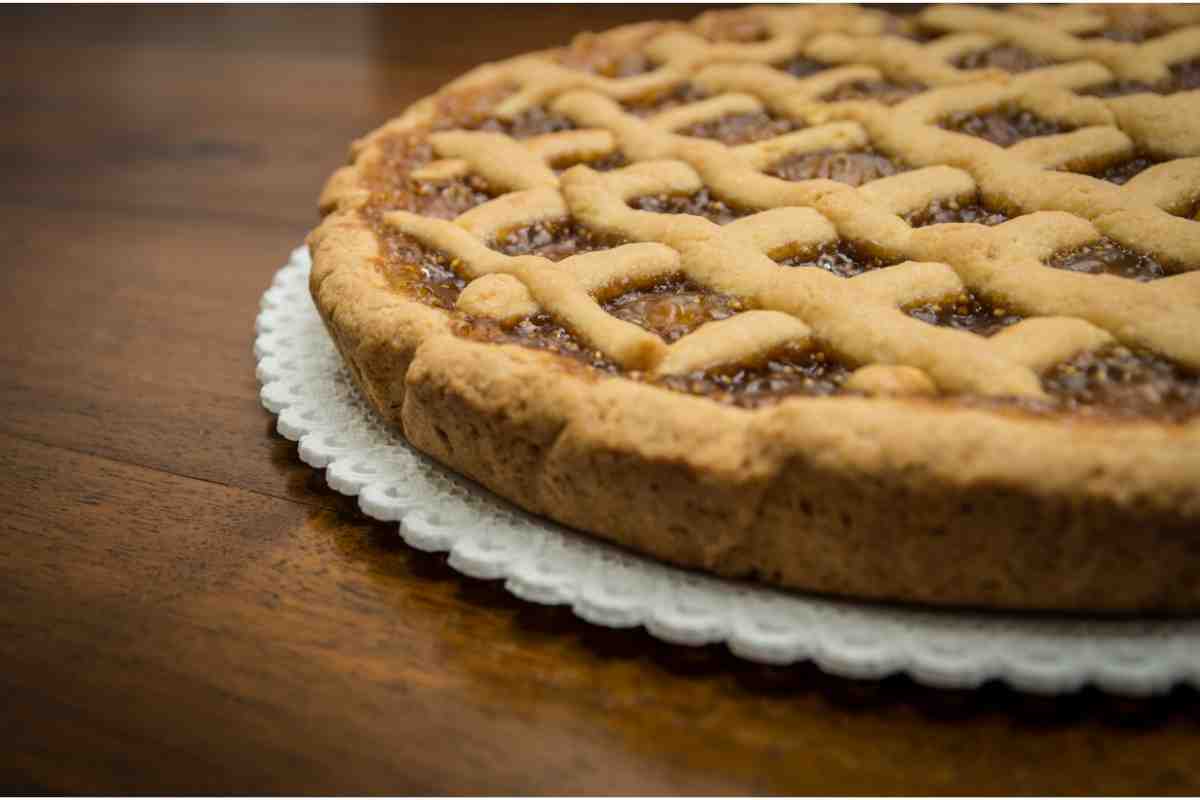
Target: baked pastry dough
(901, 308)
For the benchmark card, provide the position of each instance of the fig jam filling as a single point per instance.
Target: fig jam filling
(1005, 57)
(1136, 26)
(1185, 76)
(533, 122)
(650, 104)
(920, 34)
(540, 332)
(1005, 126)
(854, 167)
(942, 211)
(1122, 172)
(735, 129)
(673, 308)
(701, 204)
(612, 161)
(552, 239)
(1107, 257)
(843, 259)
(802, 67)
(424, 274)
(392, 186)
(1125, 382)
(1112, 382)
(966, 312)
(791, 371)
(1117, 88)
(883, 91)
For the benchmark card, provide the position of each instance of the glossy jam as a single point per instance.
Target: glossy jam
(540, 332)
(1005, 57)
(1118, 88)
(1005, 126)
(889, 93)
(1113, 382)
(944, 211)
(801, 67)
(701, 204)
(392, 186)
(534, 122)
(843, 259)
(966, 312)
(1184, 77)
(1107, 257)
(791, 371)
(422, 273)
(673, 308)
(854, 167)
(735, 129)
(552, 239)
(1134, 25)
(1124, 382)
(1122, 172)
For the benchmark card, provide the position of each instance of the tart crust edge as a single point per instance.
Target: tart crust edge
(871, 498)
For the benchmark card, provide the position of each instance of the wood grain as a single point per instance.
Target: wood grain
(185, 607)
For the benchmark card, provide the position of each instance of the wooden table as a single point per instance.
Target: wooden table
(185, 607)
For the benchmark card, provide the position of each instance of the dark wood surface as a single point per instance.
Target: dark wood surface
(185, 607)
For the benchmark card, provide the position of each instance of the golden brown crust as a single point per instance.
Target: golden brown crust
(872, 497)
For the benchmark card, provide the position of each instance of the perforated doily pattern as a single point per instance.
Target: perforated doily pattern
(306, 384)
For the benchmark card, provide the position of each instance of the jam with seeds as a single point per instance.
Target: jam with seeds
(854, 167)
(735, 129)
(843, 259)
(1107, 257)
(1118, 88)
(1185, 76)
(802, 67)
(540, 332)
(552, 239)
(791, 371)
(1130, 24)
(966, 312)
(943, 211)
(701, 204)
(1122, 172)
(1126, 382)
(680, 95)
(673, 308)
(448, 199)
(1111, 382)
(605, 163)
(392, 186)
(1005, 57)
(426, 275)
(887, 92)
(1005, 126)
(534, 122)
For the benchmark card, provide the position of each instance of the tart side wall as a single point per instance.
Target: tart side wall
(714, 489)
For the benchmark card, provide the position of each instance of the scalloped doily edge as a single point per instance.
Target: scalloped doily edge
(305, 385)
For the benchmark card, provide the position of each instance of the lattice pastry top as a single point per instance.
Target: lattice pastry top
(940, 274)
(710, 160)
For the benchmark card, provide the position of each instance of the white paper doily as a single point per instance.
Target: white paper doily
(305, 383)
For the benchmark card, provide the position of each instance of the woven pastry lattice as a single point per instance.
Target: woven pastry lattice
(1097, 165)
(305, 383)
